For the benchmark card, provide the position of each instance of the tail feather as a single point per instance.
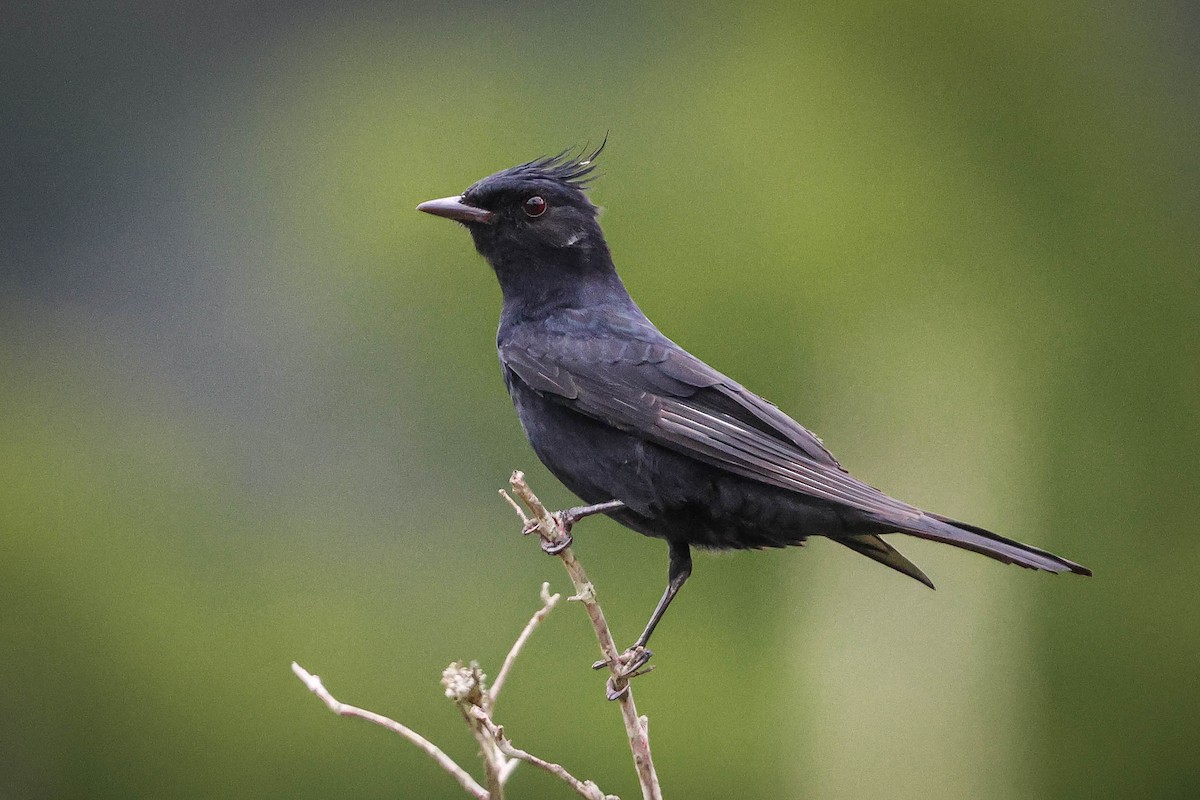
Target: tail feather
(876, 548)
(969, 537)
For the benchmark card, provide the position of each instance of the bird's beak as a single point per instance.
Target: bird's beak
(455, 208)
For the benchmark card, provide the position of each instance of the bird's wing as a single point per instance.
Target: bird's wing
(667, 396)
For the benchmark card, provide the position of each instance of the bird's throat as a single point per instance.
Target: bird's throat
(534, 286)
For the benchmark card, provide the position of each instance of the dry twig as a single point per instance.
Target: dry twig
(315, 686)
(549, 601)
(585, 789)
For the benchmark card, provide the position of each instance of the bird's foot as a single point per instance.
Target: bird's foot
(630, 664)
(565, 520)
(549, 547)
(630, 661)
(554, 548)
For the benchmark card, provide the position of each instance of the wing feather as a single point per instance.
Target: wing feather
(668, 396)
(754, 455)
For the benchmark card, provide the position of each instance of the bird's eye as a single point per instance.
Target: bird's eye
(535, 206)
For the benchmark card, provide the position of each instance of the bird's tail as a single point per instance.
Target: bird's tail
(969, 537)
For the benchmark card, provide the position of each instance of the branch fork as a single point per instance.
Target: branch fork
(466, 684)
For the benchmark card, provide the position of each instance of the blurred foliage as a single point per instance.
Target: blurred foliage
(251, 412)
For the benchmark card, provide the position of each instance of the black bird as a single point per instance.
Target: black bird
(656, 438)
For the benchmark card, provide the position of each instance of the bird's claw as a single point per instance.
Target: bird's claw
(554, 548)
(550, 548)
(611, 692)
(631, 664)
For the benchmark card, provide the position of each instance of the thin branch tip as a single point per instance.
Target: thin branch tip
(515, 507)
(549, 601)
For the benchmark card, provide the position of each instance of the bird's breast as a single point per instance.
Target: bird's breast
(594, 460)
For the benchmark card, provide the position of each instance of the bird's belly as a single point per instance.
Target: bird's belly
(595, 461)
(667, 495)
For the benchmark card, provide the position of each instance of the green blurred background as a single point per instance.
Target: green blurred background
(250, 410)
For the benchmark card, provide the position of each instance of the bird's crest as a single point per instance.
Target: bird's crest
(575, 170)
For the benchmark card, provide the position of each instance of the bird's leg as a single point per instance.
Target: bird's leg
(634, 659)
(572, 515)
(567, 519)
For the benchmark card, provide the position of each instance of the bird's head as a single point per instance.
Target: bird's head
(533, 222)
